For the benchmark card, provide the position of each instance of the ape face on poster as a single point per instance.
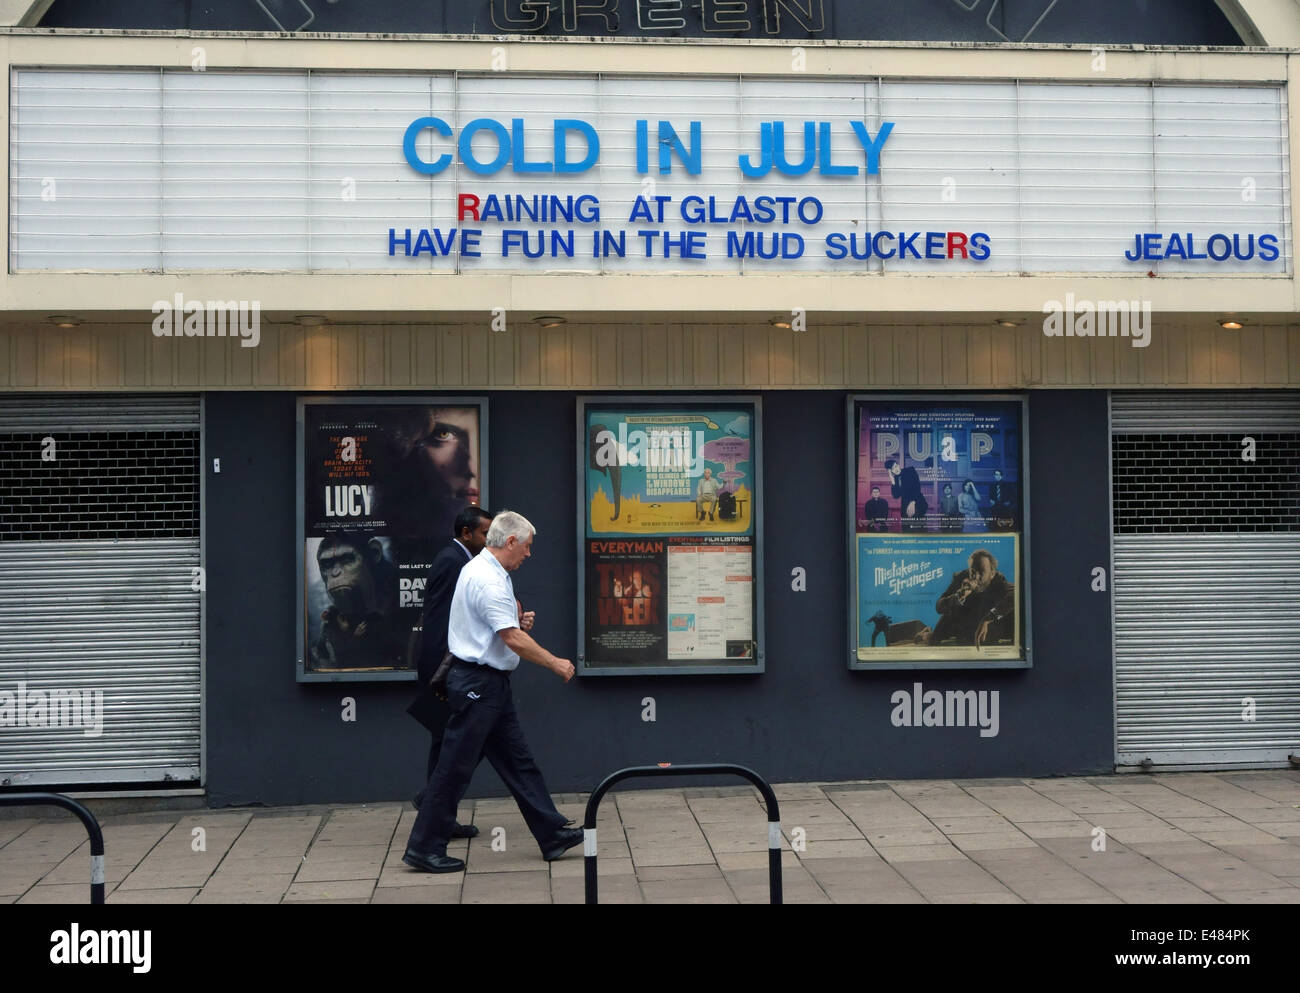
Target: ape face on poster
(669, 526)
(380, 484)
(938, 508)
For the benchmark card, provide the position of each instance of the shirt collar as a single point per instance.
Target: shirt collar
(463, 548)
(486, 553)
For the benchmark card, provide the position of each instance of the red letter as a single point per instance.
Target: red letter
(956, 240)
(469, 207)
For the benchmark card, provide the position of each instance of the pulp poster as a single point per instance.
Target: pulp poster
(669, 542)
(382, 485)
(939, 526)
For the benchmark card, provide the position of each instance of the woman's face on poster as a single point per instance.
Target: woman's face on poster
(448, 453)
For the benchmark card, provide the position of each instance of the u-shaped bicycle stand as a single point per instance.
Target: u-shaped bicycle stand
(667, 769)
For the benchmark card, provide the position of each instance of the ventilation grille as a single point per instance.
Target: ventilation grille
(1199, 483)
(119, 484)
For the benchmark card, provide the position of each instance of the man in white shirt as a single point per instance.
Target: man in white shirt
(484, 634)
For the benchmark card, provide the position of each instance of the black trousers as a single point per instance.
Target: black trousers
(483, 724)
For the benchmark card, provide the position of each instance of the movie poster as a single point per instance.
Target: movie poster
(382, 484)
(939, 527)
(669, 544)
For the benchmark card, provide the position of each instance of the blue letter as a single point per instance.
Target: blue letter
(562, 163)
(642, 147)
(669, 142)
(393, 240)
(873, 147)
(809, 149)
(826, 168)
(467, 147)
(521, 162)
(408, 145)
(765, 152)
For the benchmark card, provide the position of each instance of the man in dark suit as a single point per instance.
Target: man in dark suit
(876, 511)
(906, 486)
(1002, 503)
(471, 534)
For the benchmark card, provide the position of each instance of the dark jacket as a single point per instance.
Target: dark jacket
(907, 488)
(438, 590)
(958, 622)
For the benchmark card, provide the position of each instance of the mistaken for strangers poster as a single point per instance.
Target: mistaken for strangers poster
(939, 531)
(669, 538)
(382, 485)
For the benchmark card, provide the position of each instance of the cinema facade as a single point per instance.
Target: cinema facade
(1041, 299)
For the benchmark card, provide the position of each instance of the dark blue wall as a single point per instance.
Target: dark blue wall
(273, 740)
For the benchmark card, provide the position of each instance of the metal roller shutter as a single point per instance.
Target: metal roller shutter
(1206, 553)
(100, 623)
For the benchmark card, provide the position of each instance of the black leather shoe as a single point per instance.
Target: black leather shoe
(432, 863)
(464, 831)
(565, 839)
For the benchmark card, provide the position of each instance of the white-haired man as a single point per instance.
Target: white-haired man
(485, 633)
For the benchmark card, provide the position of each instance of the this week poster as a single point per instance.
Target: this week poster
(669, 545)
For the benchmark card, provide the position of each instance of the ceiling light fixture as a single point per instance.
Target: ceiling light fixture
(1228, 324)
(549, 321)
(1002, 322)
(64, 320)
(780, 322)
(310, 320)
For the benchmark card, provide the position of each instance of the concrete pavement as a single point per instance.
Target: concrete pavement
(1232, 837)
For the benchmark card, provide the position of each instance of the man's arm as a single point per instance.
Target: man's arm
(525, 647)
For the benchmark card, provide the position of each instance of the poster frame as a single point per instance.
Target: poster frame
(303, 675)
(668, 402)
(1024, 586)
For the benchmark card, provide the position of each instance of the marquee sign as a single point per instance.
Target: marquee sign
(442, 173)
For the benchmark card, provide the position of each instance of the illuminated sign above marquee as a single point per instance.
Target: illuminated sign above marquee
(715, 17)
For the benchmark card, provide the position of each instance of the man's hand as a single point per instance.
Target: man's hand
(563, 668)
(527, 618)
(911, 508)
(981, 633)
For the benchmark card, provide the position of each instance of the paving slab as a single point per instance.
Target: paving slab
(344, 889)
(506, 887)
(709, 889)
(411, 894)
(620, 889)
(919, 853)
(184, 895)
(59, 893)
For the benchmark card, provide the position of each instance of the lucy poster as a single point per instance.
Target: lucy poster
(938, 517)
(381, 484)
